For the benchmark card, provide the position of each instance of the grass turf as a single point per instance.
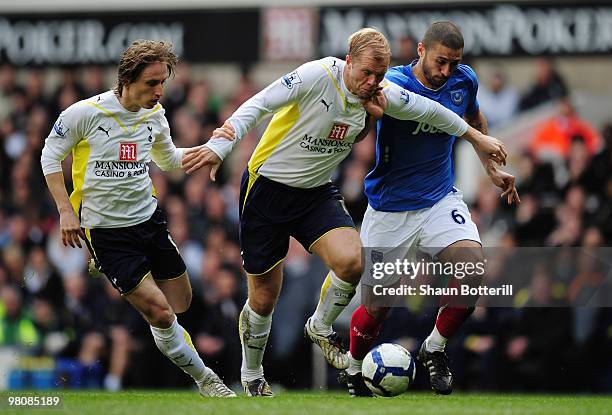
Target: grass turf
(184, 402)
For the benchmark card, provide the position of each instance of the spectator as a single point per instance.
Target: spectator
(54, 335)
(600, 167)
(498, 101)
(177, 90)
(93, 81)
(404, 51)
(41, 279)
(569, 217)
(16, 328)
(66, 260)
(553, 138)
(548, 86)
(8, 86)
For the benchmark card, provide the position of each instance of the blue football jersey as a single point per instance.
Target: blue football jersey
(414, 161)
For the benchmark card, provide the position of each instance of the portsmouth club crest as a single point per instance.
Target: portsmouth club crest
(457, 96)
(376, 256)
(404, 96)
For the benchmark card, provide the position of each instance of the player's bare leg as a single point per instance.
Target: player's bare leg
(340, 249)
(178, 292)
(451, 316)
(254, 328)
(172, 339)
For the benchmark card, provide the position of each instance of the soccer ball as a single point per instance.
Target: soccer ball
(388, 369)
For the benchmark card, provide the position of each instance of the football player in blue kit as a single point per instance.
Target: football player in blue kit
(412, 202)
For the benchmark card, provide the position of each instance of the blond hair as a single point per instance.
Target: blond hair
(369, 39)
(140, 54)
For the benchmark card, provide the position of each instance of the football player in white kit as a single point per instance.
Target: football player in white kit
(320, 110)
(113, 137)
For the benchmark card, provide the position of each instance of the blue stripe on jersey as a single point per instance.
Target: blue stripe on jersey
(414, 161)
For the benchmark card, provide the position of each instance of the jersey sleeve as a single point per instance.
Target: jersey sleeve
(406, 105)
(164, 153)
(285, 90)
(69, 129)
(472, 104)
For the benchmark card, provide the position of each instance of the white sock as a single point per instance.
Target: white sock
(435, 342)
(112, 383)
(336, 294)
(354, 365)
(254, 331)
(176, 344)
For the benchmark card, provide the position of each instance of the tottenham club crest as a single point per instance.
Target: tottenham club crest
(457, 96)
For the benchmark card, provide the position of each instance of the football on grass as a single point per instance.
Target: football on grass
(388, 369)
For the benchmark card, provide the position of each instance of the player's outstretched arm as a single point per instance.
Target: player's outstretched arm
(479, 122)
(197, 157)
(287, 90)
(506, 182)
(489, 146)
(406, 105)
(501, 179)
(226, 131)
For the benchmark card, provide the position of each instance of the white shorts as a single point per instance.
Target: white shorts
(402, 235)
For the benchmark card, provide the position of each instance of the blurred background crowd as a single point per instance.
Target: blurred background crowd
(72, 330)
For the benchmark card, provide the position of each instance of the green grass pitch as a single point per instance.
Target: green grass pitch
(307, 403)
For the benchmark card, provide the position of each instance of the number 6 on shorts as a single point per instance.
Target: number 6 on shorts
(457, 217)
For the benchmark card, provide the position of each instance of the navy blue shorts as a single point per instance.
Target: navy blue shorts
(274, 211)
(126, 255)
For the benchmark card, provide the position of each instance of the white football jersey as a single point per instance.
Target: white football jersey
(111, 150)
(316, 120)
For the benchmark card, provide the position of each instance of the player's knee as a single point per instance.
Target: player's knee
(160, 315)
(164, 318)
(348, 267)
(475, 255)
(470, 252)
(262, 304)
(378, 313)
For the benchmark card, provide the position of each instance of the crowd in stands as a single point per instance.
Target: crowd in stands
(51, 308)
